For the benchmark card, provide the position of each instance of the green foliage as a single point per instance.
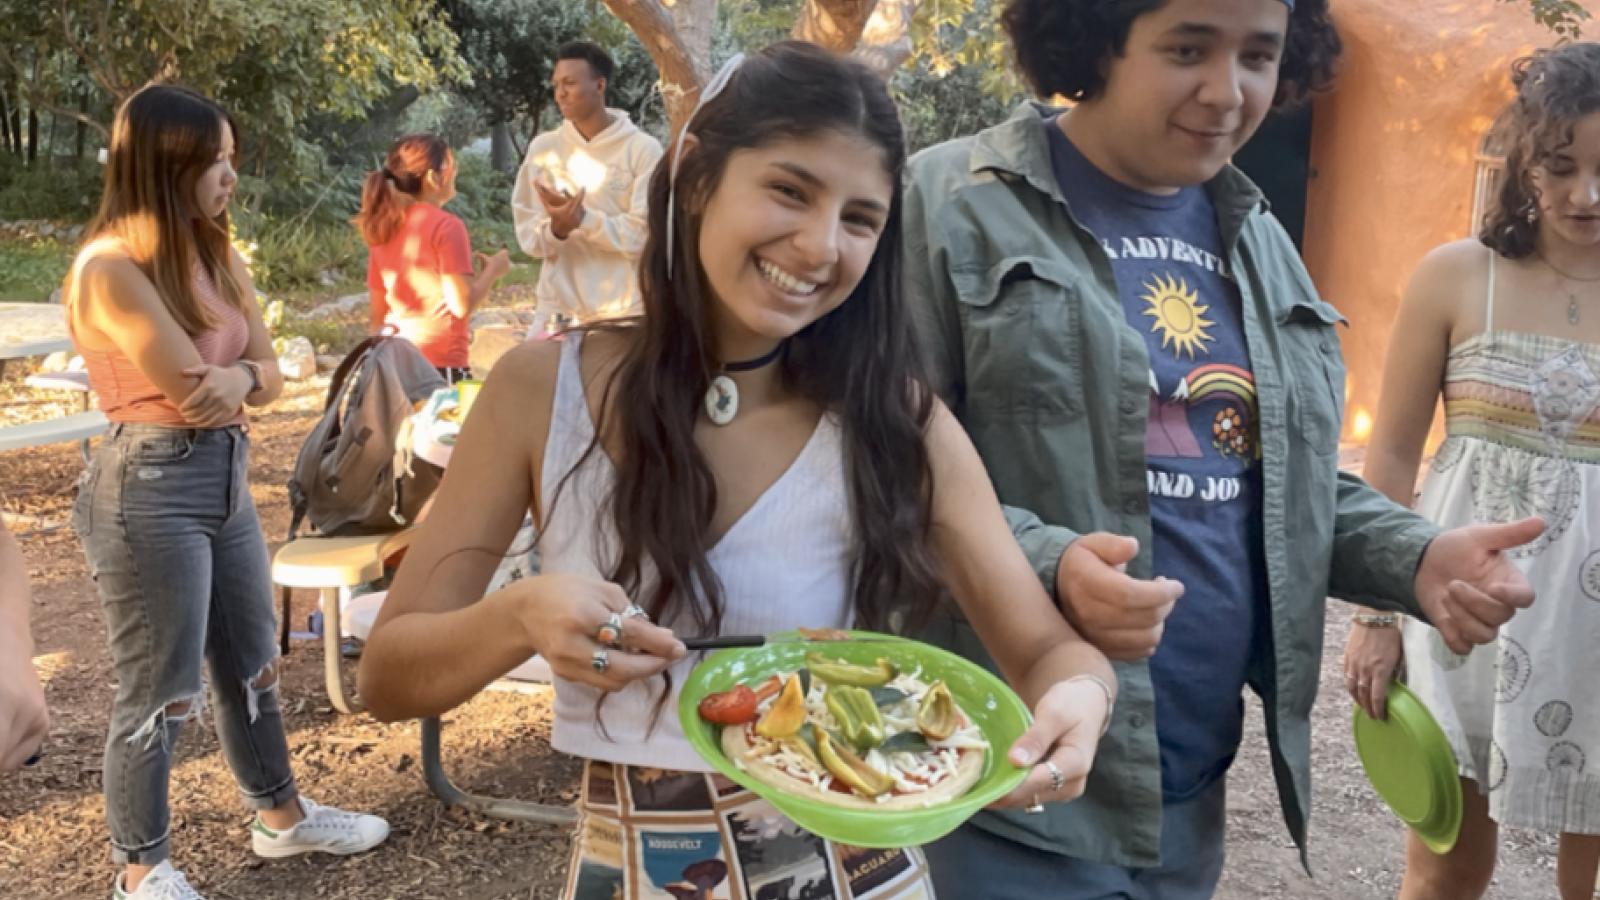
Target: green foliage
(965, 37)
(62, 192)
(510, 47)
(1564, 17)
(273, 65)
(30, 268)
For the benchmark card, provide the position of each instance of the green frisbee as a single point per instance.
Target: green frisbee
(996, 710)
(1410, 764)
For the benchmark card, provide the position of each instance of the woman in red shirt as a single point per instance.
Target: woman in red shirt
(420, 262)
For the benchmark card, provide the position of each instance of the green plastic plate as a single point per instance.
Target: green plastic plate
(1410, 764)
(986, 699)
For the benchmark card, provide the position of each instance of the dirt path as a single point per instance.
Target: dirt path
(52, 842)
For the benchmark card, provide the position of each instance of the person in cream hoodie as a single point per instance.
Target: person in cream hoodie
(581, 194)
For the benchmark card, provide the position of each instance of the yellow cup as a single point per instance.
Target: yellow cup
(466, 393)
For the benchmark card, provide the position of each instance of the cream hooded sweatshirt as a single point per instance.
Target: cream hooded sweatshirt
(591, 273)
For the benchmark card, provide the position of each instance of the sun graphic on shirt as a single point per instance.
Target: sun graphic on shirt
(1179, 317)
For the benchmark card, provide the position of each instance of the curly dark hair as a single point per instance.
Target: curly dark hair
(1555, 88)
(590, 52)
(1062, 46)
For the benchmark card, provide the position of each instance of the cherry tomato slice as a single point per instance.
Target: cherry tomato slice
(735, 706)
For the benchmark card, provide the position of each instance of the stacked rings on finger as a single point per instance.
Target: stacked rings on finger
(1057, 780)
(601, 660)
(610, 631)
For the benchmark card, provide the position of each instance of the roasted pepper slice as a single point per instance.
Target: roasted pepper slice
(834, 671)
(857, 715)
(787, 714)
(937, 716)
(851, 769)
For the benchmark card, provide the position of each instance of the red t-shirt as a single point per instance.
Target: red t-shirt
(405, 276)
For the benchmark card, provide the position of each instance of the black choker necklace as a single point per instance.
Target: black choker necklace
(722, 397)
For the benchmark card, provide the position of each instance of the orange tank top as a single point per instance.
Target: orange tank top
(126, 395)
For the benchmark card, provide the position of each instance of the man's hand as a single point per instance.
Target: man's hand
(1121, 615)
(566, 212)
(1469, 587)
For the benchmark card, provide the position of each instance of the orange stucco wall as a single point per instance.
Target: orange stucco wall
(1393, 156)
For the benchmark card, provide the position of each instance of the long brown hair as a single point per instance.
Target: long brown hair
(409, 161)
(1555, 88)
(858, 362)
(163, 139)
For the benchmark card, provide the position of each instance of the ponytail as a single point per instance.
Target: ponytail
(382, 208)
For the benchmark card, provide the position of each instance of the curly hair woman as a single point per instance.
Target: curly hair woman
(1507, 329)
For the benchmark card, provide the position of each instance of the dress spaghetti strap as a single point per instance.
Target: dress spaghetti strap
(1488, 318)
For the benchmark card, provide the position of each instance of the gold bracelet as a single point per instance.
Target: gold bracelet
(1378, 620)
(1111, 702)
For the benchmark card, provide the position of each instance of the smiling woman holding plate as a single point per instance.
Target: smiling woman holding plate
(830, 489)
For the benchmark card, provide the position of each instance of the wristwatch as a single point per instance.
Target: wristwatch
(253, 369)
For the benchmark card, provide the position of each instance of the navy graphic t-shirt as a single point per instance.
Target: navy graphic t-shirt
(1203, 461)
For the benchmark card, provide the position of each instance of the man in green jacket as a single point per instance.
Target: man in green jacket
(1157, 390)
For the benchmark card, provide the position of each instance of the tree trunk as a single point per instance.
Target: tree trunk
(500, 148)
(5, 123)
(679, 42)
(33, 135)
(16, 126)
(834, 24)
(886, 39)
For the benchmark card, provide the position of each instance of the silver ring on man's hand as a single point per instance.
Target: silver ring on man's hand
(610, 631)
(1036, 808)
(1057, 779)
(601, 660)
(635, 611)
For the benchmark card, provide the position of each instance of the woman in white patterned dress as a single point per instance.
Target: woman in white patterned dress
(1511, 337)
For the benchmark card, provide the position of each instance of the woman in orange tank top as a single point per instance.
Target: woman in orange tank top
(164, 313)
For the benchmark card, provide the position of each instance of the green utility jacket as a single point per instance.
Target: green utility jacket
(1027, 342)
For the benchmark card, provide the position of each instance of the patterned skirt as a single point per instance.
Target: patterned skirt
(658, 834)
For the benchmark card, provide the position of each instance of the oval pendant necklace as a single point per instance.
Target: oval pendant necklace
(722, 397)
(1573, 317)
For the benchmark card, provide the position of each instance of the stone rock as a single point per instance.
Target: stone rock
(298, 359)
(327, 362)
(502, 315)
(491, 342)
(343, 306)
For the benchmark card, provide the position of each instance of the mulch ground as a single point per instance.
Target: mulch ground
(52, 837)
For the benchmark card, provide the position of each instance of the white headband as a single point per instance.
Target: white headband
(714, 87)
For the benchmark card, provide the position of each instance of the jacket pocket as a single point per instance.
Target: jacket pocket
(1316, 370)
(1021, 338)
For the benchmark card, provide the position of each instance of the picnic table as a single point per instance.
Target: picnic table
(40, 329)
(32, 329)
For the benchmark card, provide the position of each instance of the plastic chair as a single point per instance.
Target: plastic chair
(331, 565)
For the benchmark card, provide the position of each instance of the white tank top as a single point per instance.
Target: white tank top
(784, 564)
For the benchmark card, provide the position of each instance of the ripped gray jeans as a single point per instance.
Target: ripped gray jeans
(172, 540)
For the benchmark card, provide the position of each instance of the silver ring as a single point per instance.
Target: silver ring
(610, 631)
(601, 660)
(1036, 808)
(1057, 780)
(635, 611)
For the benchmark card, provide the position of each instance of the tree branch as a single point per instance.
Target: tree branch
(834, 24)
(886, 39)
(682, 75)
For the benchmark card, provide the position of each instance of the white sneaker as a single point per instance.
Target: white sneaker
(323, 830)
(163, 883)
